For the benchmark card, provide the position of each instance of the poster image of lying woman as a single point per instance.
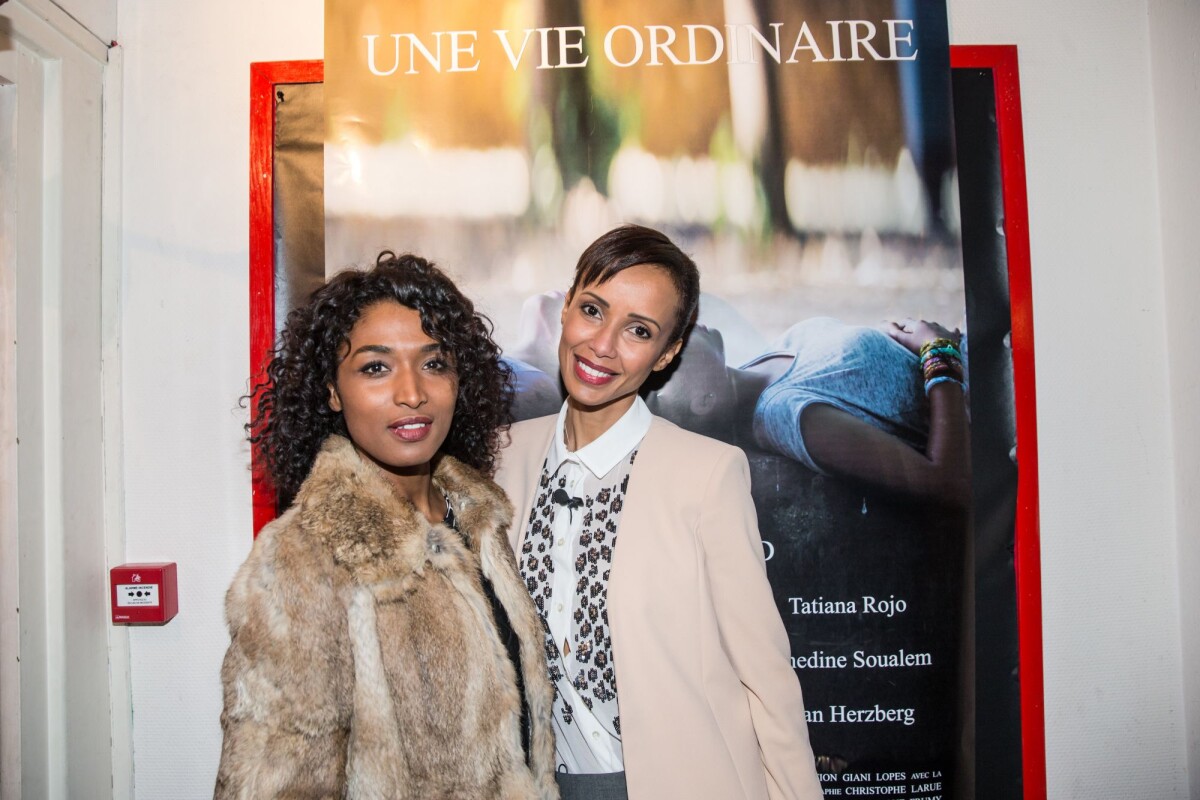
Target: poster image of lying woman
(861, 404)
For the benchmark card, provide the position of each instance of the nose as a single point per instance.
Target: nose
(604, 342)
(407, 388)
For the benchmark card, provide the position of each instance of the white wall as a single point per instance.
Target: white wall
(1110, 536)
(1175, 67)
(186, 351)
(98, 16)
(1113, 668)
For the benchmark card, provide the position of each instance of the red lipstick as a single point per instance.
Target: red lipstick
(589, 373)
(411, 429)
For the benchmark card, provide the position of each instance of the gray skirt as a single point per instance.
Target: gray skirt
(605, 786)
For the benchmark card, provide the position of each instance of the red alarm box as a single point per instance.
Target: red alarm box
(143, 594)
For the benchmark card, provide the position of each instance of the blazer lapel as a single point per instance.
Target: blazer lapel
(521, 469)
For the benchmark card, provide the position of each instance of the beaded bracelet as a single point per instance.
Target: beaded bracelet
(941, 358)
(929, 381)
(949, 373)
(932, 382)
(941, 362)
(939, 342)
(941, 365)
(950, 351)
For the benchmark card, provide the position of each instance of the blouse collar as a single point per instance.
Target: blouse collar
(602, 454)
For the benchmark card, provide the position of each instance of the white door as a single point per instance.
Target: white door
(58, 734)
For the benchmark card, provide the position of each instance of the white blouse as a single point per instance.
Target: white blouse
(565, 561)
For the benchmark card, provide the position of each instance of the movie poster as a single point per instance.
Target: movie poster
(801, 152)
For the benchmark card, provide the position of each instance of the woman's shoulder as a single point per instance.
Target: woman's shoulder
(688, 449)
(286, 545)
(283, 568)
(529, 429)
(521, 453)
(530, 437)
(690, 468)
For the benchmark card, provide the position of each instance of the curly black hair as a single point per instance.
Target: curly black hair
(291, 416)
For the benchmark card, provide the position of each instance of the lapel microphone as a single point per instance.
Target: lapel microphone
(560, 497)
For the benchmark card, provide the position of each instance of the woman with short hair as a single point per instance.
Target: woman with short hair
(639, 544)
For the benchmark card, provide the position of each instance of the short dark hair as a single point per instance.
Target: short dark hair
(631, 245)
(291, 416)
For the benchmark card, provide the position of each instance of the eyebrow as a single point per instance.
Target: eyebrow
(383, 349)
(640, 317)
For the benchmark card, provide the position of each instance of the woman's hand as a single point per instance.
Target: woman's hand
(915, 333)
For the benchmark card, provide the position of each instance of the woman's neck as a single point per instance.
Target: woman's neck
(586, 424)
(415, 484)
(420, 491)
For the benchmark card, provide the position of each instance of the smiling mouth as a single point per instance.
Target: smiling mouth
(590, 373)
(412, 430)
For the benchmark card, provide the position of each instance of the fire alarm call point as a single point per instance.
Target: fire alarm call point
(143, 594)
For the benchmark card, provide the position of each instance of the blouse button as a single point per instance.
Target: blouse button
(560, 606)
(560, 541)
(595, 734)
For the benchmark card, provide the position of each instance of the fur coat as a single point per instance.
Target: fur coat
(364, 660)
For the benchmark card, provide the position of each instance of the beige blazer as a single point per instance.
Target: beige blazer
(710, 706)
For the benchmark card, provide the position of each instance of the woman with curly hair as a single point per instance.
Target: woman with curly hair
(375, 625)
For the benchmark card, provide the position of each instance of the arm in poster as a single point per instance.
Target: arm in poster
(843, 400)
(751, 630)
(285, 731)
(845, 446)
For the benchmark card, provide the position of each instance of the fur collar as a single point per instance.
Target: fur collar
(348, 503)
(349, 536)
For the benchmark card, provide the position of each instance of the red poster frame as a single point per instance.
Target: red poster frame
(1002, 61)
(264, 76)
